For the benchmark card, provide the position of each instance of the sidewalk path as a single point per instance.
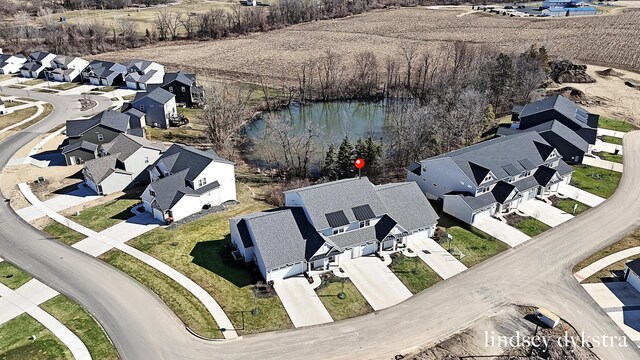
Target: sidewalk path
(604, 164)
(59, 203)
(584, 197)
(606, 147)
(544, 212)
(436, 257)
(618, 134)
(604, 262)
(98, 243)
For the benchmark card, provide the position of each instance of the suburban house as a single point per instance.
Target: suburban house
(159, 107)
(65, 68)
(323, 225)
(37, 62)
(142, 73)
(492, 177)
(121, 163)
(560, 109)
(184, 180)
(137, 121)
(104, 73)
(185, 87)
(85, 135)
(11, 64)
(632, 273)
(3, 109)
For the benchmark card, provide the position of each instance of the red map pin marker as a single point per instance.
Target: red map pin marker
(359, 163)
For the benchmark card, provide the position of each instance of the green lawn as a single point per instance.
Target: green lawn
(105, 89)
(567, 205)
(11, 103)
(17, 116)
(63, 233)
(73, 316)
(615, 124)
(66, 86)
(475, 246)
(184, 304)
(32, 82)
(104, 216)
(354, 304)
(413, 272)
(598, 181)
(11, 276)
(526, 224)
(612, 139)
(609, 156)
(15, 342)
(201, 250)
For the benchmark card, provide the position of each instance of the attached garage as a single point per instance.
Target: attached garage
(368, 249)
(285, 272)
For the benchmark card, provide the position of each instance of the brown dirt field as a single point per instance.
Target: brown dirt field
(612, 40)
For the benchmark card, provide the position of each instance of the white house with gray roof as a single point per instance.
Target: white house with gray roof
(142, 73)
(184, 180)
(11, 64)
(122, 163)
(492, 177)
(323, 225)
(37, 62)
(66, 68)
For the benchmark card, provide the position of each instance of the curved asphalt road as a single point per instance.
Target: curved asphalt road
(537, 273)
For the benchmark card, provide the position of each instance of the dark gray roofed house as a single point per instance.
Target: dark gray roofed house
(185, 87)
(104, 73)
(406, 204)
(159, 107)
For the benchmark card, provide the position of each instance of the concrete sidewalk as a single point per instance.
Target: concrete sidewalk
(436, 257)
(604, 262)
(620, 301)
(100, 243)
(544, 212)
(584, 197)
(75, 345)
(301, 302)
(606, 147)
(604, 164)
(59, 203)
(34, 291)
(501, 231)
(618, 134)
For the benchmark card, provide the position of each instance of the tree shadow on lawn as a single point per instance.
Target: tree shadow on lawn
(215, 256)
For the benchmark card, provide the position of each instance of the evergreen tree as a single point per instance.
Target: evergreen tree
(374, 154)
(329, 167)
(345, 159)
(489, 117)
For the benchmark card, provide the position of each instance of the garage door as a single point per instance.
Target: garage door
(387, 244)
(531, 194)
(482, 214)
(286, 272)
(368, 249)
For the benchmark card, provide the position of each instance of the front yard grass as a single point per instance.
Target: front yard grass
(63, 233)
(526, 224)
(78, 320)
(15, 342)
(598, 181)
(609, 156)
(12, 277)
(612, 139)
(475, 246)
(201, 250)
(32, 82)
(47, 91)
(413, 272)
(66, 86)
(354, 304)
(184, 304)
(104, 216)
(616, 124)
(567, 205)
(11, 103)
(17, 116)
(629, 241)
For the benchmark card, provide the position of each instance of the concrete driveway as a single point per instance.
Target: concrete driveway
(606, 147)
(501, 231)
(621, 302)
(377, 283)
(301, 302)
(436, 257)
(604, 164)
(544, 212)
(584, 197)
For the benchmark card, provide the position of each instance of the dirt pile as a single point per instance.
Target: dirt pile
(565, 71)
(571, 93)
(609, 72)
(632, 84)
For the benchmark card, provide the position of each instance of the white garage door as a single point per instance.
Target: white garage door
(368, 249)
(286, 272)
(388, 244)
(482, 214)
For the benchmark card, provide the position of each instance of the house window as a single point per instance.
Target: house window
(184, 89)
(152, 193)
(170, 88)
(202, 182)
(365, 223)
(338, 231)
(100, 137)
(141, 107)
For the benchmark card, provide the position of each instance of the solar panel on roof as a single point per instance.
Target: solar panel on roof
(511, 169)
(527, 164)
(363, 212)
(337, 219)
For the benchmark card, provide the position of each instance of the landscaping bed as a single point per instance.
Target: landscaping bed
(598, 181)
(527, 224)
(476, 246)
(567, 205)
(353, 304)
(413, 272)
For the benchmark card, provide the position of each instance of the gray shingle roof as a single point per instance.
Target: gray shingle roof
(560, 104)
(366, 234)
(634, 265)
(126, 145)
(32, 66)
(496, 153)
(478, 202)
(64, 60)
(407, 205)
(181, 76)
(80, 144)
(158, 95)
(104, 69)
(322, 199)
(553, 126)
(170, 189)
(100, 168)
(39, 55)
(109, 118)
(180, 157)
